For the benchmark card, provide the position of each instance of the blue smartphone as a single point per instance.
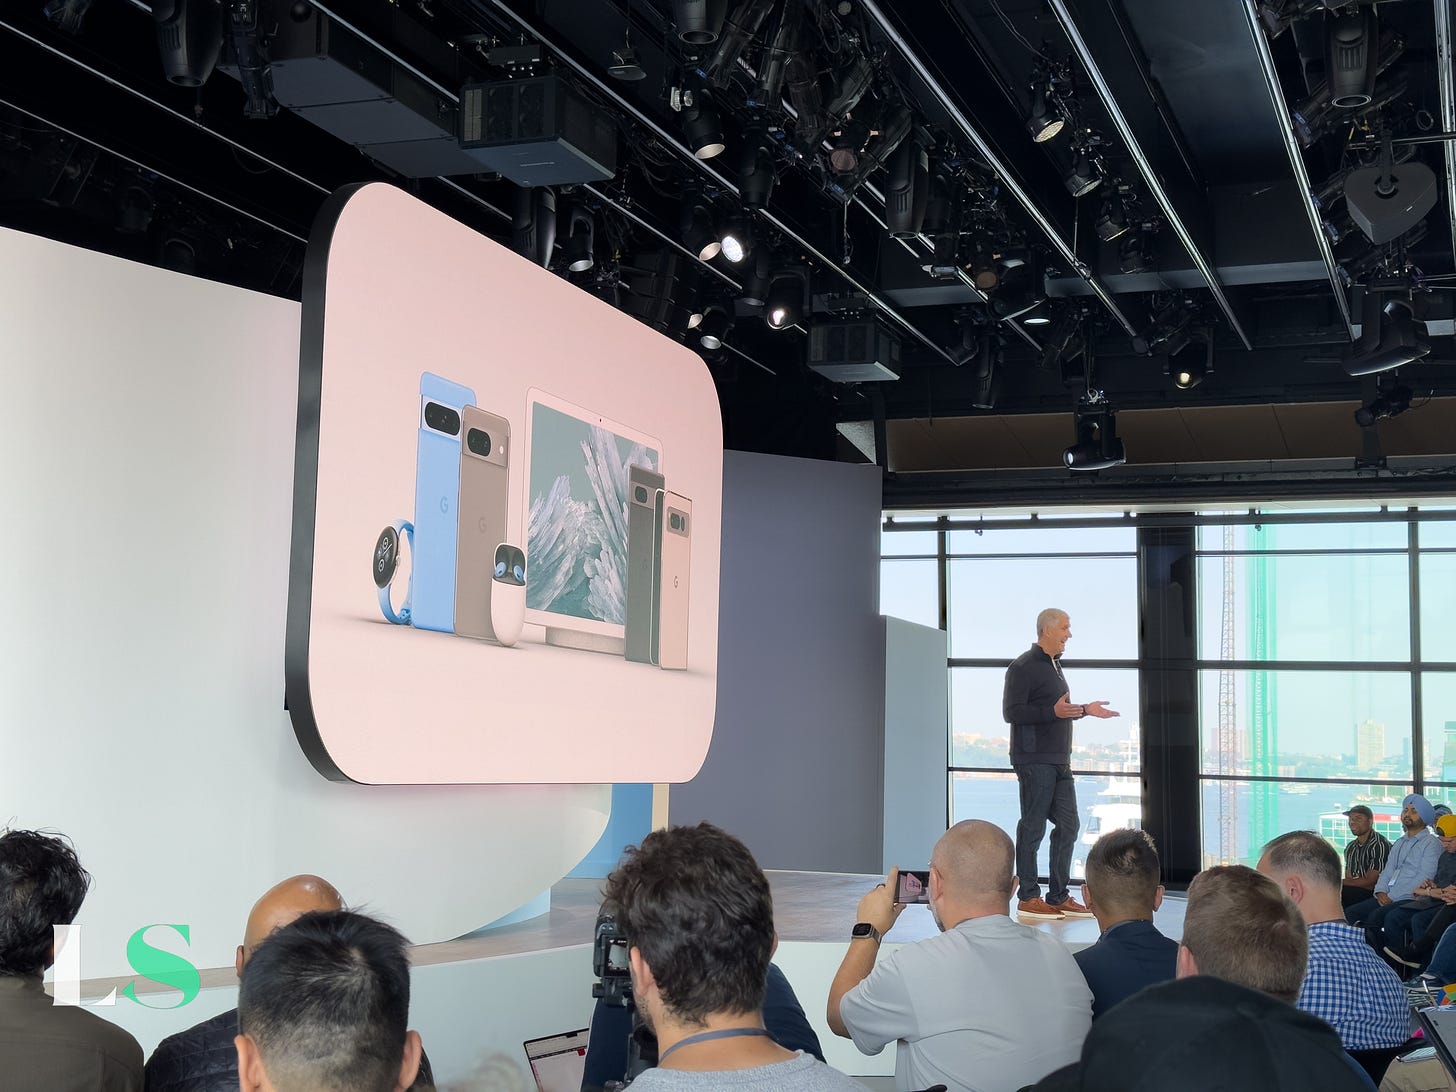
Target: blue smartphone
(437, 499)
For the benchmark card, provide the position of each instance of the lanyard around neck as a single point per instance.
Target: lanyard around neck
(704, 1036)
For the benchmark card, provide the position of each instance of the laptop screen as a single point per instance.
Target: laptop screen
(558, 1062)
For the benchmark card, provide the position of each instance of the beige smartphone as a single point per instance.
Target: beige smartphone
(481, 527)
(674, 556)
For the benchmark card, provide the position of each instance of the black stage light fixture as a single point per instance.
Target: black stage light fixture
(1081, 177)
(1390, 402)
(741, 26)
(698, 233)
(1400, 340)
(1097, 446)
(699, 22)
(1039, 317)
(1043, 121)
(1112, 218)
(1132, 253)
(984, 273)
(1189, 375)
(1021, 292)
(784, 306)
(190, 34)
(908, 187)
(580, 239)
(756, 176)
(533, 223)
(714, 327)
(1351, 44)
(700, 124)
(773, 63)
(625, 66)
(756, 284)
(736, 241)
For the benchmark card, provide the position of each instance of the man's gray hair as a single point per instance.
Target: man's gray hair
(1048, 618)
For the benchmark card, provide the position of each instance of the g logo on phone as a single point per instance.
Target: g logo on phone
(445, 505)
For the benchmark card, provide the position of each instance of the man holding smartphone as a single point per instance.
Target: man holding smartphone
(1035, 703)
(986, 1004)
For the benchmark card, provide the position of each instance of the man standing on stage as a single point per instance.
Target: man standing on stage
(1034, 703)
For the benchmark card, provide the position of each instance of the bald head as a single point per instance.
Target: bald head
(283, 903)
(974, 859)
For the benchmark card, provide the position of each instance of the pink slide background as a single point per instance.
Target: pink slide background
(409, 290)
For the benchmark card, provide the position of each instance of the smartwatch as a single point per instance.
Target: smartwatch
(864, 929)
(386, 565)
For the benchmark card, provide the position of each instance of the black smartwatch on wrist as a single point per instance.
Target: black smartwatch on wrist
(864, 929)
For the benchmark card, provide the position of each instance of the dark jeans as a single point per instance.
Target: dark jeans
(1388, 925)
(1349, 896)
(1047, 792)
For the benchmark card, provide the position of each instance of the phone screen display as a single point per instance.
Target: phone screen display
(912, 886)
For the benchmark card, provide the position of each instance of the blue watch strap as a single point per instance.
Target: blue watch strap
(404, 530)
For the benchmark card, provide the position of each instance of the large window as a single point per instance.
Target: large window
(1318, 668)
(995, 584)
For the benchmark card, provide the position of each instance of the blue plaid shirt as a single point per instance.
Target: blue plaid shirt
(1349, 987)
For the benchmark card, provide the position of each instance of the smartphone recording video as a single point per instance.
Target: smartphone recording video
(912, 886)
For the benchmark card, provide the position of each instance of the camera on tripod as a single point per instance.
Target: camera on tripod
(610, 962)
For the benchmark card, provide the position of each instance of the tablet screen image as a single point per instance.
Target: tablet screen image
(576, 518)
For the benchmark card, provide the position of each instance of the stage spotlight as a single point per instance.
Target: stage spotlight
(1112, 219)
(189, 33)
(983, 270)
(1040, 318)
(1097, 446)
(1351, 45)
(784, 306)
(1132, 254)
(625, 66)
(1400, 340)
(736, 240)
(1388, 403)
(756, 169)
(701, 125)
(714, 327)
(580, 240)
(699, 21)
(1188, 375)
(756, 285)
(698, 234)
(695, 317)
(1043, 121)
(533, 224)
(908, 187)
(1081, 177)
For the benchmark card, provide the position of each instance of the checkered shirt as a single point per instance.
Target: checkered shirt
(1349, 987)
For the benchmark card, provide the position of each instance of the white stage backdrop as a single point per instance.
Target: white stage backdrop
(147, 486)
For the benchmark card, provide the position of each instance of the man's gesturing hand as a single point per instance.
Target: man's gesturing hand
(1065, 709)
(1099, 709)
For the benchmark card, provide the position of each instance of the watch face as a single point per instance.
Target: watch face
(863, 929)
(386, 557)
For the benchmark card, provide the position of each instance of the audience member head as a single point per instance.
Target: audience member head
(42, 884)
(971, 873)
(1307, 869)
(1240, 927)
(1360, 819)
(1446, 831)
(1206, 1035)
(280, 905)
(1122, 878)
(698, 916)
(1416, 813)
(323, 1007)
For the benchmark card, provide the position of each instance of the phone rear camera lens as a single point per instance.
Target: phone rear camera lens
(478, 441)
(640, 494)
(676, 522)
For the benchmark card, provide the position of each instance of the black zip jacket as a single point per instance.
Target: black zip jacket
(1034, 684)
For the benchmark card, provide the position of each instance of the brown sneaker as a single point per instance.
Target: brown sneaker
(1073, 909)
(1038, 908)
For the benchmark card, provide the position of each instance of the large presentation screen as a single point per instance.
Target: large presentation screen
(507, 511)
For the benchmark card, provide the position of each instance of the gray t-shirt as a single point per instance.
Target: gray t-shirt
(989, 1006)
(803, 1073)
